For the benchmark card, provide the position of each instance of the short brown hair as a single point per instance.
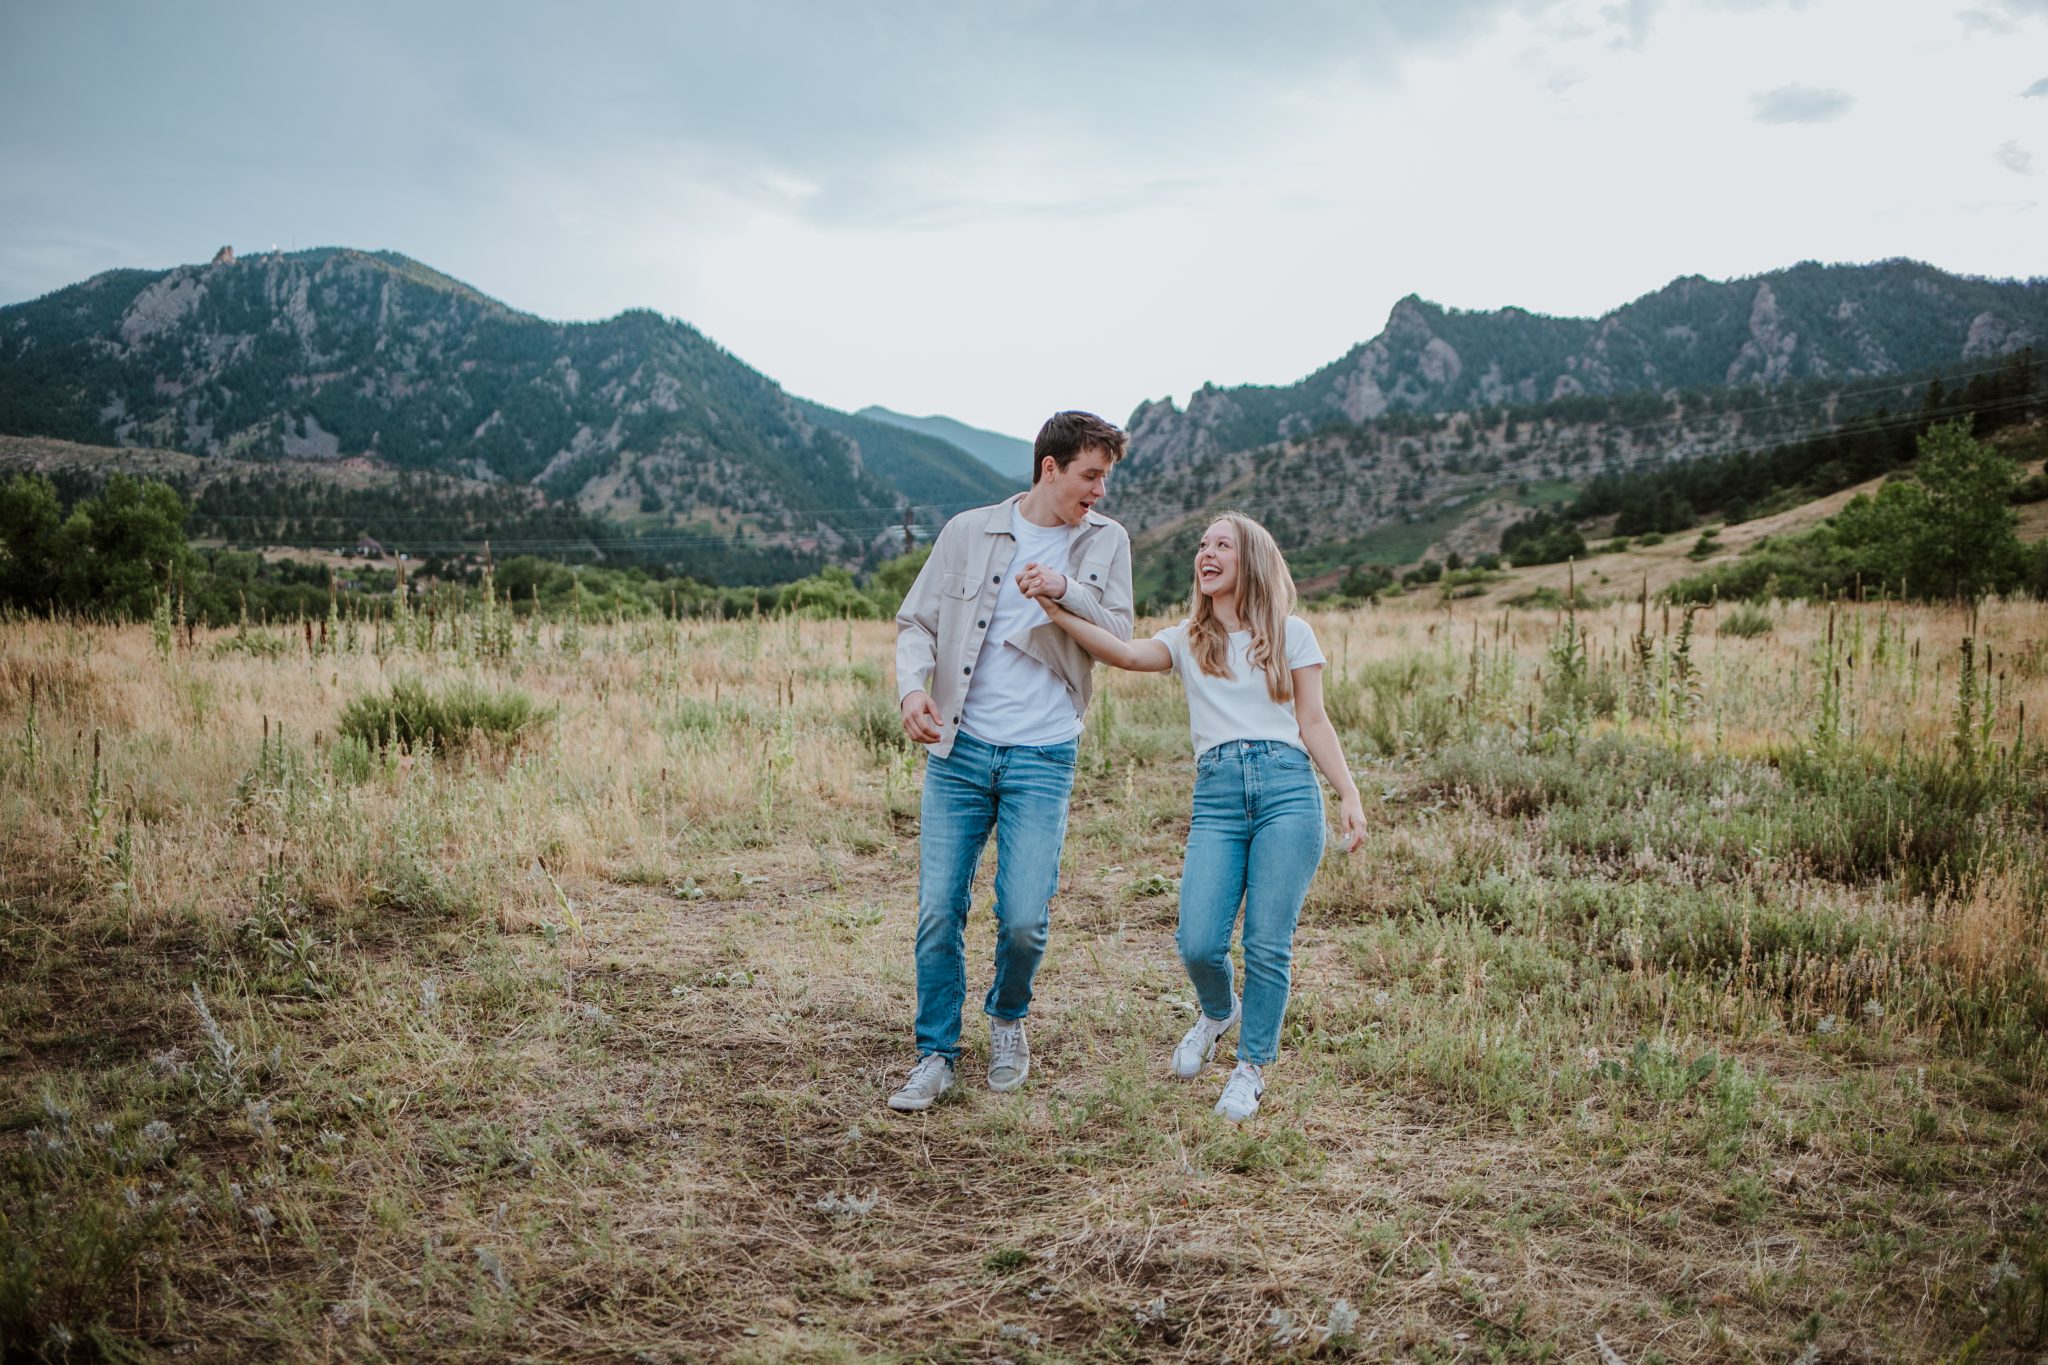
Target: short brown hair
(1066, 434)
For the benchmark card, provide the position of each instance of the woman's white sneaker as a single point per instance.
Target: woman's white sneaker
(1241, 1093)
(1198, 1044)
(929, 1079)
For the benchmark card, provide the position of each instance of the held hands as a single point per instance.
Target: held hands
(921, 719)
(1043, 585)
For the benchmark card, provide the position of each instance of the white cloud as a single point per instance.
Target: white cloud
(1800, 104)
(2039, 87)
(1987, 21)
(1633, 18)
(2015, 158)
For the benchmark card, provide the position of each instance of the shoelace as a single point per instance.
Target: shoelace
(930, 1067)
(1006, 1044)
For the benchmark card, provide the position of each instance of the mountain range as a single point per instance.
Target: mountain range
(641, 423)
(334, 353)
(1824, 322)
(1007, 455)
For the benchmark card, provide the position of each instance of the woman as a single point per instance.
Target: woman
(1254, 681)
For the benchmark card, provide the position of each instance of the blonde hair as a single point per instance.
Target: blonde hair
(1265, 598)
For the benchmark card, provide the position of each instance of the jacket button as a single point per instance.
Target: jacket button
(997, 579)
(981, 625)
(956, 720)
(968, 670)
(1091, 578)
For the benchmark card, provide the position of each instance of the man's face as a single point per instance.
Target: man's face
(1079, 486)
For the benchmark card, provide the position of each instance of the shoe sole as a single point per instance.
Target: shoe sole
(912, 1106)
(1002, 1088)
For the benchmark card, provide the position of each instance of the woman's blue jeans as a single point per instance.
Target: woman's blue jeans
(1021, 792)
(1255, 841)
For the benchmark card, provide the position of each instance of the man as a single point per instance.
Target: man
(996, 693)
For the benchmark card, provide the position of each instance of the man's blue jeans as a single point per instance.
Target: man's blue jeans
(1255, 841)
(1020, 792)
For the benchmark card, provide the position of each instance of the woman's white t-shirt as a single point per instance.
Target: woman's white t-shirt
(1239, 706)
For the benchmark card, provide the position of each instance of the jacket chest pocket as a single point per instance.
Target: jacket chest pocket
(960, 585)
(1095, 563)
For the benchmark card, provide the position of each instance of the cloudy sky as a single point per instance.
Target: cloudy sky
(993, 210)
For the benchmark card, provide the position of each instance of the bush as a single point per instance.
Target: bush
(1550, 599)
(410, 715)
(72, 1245)
(1746, 621)
(1863, 818)
(1542, 537)
(878, 726)
(829, 594)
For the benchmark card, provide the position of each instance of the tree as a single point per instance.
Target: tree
(1881, 534)
(31, 521)
(1949, 530)
(1969, 544)
(892, 578)
(120, 548)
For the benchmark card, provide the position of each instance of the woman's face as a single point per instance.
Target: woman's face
(1216, 561)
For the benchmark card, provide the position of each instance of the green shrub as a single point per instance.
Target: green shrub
(878, 726)
(1746, 621)
(1867, 819)
(352, 759)
(1550, 599)
(76, 1229)
(410, 715)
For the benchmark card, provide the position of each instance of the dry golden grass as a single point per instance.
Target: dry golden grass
(579, 1051)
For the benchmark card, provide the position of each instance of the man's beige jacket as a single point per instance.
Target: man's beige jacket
(944, 619)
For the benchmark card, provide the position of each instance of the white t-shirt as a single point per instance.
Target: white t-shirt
(1239, 706)
(1012, 698)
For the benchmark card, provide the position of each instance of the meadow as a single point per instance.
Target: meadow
(475, 988)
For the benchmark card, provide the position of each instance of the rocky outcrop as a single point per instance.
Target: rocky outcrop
(1810, 321)
(161, 307)
(1991, 335)
(1766, 357)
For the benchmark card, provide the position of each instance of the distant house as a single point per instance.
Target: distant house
(368, 548)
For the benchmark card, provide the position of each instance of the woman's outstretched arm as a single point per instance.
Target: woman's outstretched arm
(1320, 738)
(1139, 656)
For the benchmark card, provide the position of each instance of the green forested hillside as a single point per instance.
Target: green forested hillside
(334, 353)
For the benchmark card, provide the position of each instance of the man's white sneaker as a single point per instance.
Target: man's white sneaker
(1009, 1054)
(1241, 1093)
(929, 1079)
(1198, 1044)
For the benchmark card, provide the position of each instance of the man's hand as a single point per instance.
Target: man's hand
(1036, 581)
(921, 719)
